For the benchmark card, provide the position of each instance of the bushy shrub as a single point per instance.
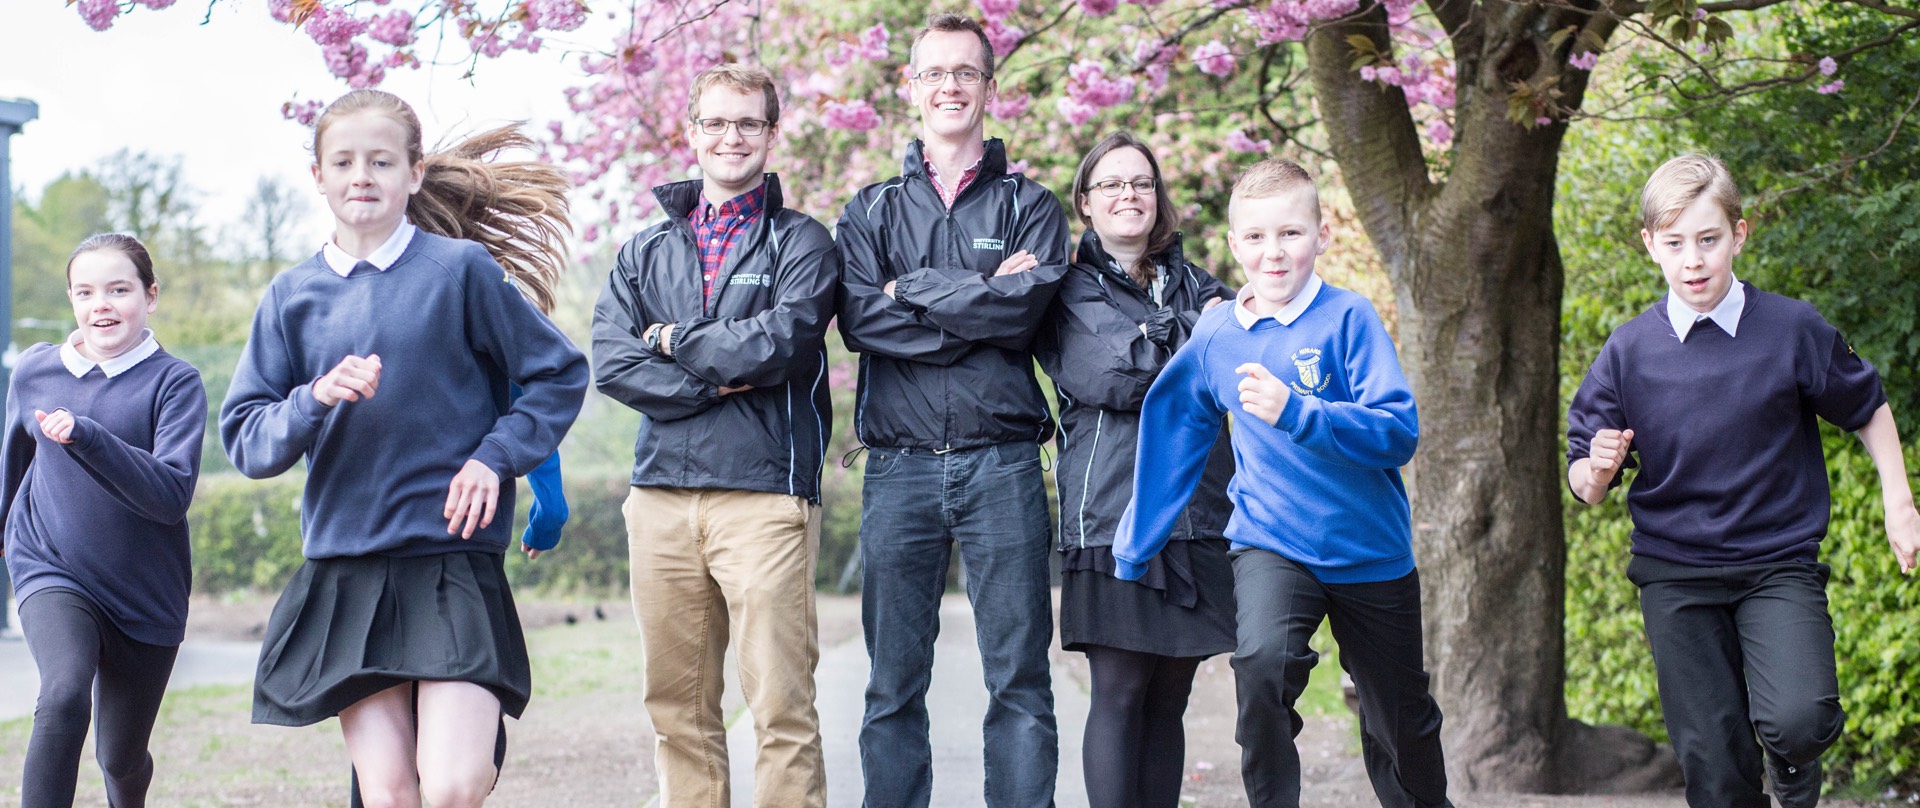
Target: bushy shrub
(246, 533)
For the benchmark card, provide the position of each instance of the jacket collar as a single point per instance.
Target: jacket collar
(1092, 253)
(678, 199)
(992, 164)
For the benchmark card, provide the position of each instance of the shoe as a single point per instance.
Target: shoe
(1794, 786)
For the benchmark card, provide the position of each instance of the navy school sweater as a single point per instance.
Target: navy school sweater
(1322, 487)
(451, 334)
(105, 515)
(1731, 467)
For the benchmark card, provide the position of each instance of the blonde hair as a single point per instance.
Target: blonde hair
(742, 77)
(1679, 182)
(516, 209)
(1272, 177)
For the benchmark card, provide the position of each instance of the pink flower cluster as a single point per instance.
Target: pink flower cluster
(1089, 90)
(393, 28)
(1831, 87)
(1009, 106)
(1289, 20)
(872, 47)
(1003, 37)
(303, 112)
(856, 115)
(1238, 140)
(99, 14)
(1098, 8)
(1828, 66)
(1585, 60)
(997, 9)
(555, 15)
(1214, 59)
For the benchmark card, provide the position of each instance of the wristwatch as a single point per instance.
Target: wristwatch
(651, 339)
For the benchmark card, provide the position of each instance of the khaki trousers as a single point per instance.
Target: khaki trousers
(710, 564)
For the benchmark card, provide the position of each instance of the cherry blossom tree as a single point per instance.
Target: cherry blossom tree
(1442, 122)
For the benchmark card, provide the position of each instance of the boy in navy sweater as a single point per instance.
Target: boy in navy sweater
(1320, 526)
(1712, 393)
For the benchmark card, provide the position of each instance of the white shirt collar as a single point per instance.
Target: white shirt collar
(1726, 314)
(382, 259)
(78, 365)
(1287, 314)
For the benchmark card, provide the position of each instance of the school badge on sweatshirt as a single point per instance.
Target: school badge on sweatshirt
(1312, 378)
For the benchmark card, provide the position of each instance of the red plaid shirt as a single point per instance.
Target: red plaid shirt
(716, 228)
(966, 179)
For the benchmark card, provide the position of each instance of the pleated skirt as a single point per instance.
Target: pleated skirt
(347, 628)
(1182, 607)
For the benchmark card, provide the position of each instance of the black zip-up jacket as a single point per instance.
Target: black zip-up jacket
(946, 362)
(764, 327)
(1102, 364)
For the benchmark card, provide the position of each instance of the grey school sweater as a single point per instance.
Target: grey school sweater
(451, 334)
(105, 515)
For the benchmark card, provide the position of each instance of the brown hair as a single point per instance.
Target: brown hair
(949, 22)
(1165, 220)
(1679, 182)
(516, 209)
(742, 77)
(1272, 177)
(123, 244)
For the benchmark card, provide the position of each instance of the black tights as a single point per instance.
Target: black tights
(82, 658)
(1136, 744)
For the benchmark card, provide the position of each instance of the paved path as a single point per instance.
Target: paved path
(199, 663)
(957, 704)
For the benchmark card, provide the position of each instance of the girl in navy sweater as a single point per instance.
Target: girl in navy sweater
(400, 621)
(102, 448)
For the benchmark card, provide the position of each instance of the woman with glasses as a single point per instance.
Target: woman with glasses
(1127, 304)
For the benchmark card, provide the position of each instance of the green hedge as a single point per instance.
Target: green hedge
(1610, 677)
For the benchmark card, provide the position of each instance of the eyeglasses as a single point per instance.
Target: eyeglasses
(933, 78)
(1141, 185)
(751, 127)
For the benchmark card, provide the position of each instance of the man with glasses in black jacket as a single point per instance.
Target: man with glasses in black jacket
(711, 325)
(949, 269)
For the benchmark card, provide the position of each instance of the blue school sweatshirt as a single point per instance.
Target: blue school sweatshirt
(451, 334)
(105, 515)
(1322, 487)
(1731, 467)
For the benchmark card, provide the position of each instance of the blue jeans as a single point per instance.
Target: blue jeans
(916, 504)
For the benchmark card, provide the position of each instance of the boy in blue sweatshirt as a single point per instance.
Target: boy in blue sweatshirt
(1713, 393)
(1320, 527)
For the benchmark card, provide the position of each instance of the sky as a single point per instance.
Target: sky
(163, 83)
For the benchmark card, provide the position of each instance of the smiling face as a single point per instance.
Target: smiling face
(362, 169)
(109, 303)
(951, 111)
(731, 164)
(1275, 239)
(1123, 221)
(1695, 252)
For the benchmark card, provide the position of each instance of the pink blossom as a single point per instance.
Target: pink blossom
(334, 27)
(394, 28)
(1087, 81)
(1439, 132)
(526, 41)
(1369, 73)
(1584, 60)
(1146, 3)
(302, 111)
(99, 14)
(345, 60)
(591, 234)
(1828, 66)
(873, 42)
(997, 10)
(1148, 51)
(1075, 111)
(281, 10)
(1214, 59)
(1239, 141)
(1019, 167)
(1009, 106)
(1157, 76)
(856, 115)
(1699, 14)
(1099, 8)
(1831, 87)
(1388, 75)
(556, 15)
(1542, 121)
(488, 43)
(1003, 37)
(156, 5)
(1399, 12)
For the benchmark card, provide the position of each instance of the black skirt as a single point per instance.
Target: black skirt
(347, 628)
(1182, 607)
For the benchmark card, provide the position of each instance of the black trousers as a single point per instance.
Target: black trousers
(1743, 653)
(1135, 748)
(1280, 605)
(85, 662)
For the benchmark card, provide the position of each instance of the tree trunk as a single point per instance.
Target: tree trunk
(1477, 276)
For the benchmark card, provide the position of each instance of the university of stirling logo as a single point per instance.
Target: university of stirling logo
(1312, 378)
